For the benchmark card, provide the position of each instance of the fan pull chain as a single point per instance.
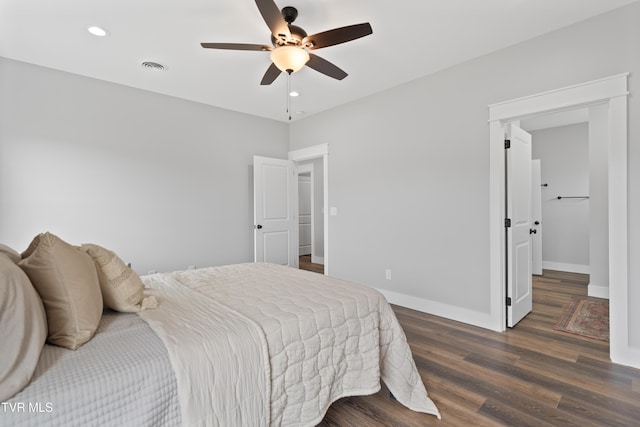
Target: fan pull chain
(289, 93)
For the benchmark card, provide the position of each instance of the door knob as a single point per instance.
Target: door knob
(258, 226)
(532, 231)
(536, 223)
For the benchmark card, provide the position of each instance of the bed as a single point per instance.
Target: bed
(247, 344)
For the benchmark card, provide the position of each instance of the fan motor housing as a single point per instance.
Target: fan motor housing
(289, 13)
(297, 34)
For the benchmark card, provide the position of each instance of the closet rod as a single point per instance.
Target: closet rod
(573, 197)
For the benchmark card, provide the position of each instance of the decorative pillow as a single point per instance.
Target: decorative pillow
(23, 328)
(10, 253)
(122, 289)
(32, 247)
(67, 282)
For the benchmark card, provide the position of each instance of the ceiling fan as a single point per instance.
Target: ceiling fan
(290, 43)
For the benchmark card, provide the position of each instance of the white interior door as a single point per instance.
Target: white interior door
(518, 204)
(536, 214)
(275, 201)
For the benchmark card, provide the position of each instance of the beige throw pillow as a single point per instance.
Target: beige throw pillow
(122, 289)
(32, 246)
(23, 329)
(66, 279)
(13, 255)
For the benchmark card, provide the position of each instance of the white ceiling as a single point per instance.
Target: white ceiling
(411, 38)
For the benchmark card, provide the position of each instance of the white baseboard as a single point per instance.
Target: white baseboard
(633, 357)
(598, 291)
(629, 357)
(470, 317)
(561, 266)
(317, 259)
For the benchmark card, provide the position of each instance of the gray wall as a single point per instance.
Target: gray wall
(421, 150)
(564, 163)
(163, 182)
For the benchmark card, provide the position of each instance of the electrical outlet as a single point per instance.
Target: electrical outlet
(191, 267)
(387, 274)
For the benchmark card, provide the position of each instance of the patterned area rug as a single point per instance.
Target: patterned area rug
(586, 316)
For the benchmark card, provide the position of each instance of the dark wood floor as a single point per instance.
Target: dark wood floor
(306, 264)
(531, 375)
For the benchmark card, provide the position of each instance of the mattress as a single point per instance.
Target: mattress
(122, 377)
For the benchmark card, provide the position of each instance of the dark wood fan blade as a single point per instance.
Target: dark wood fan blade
(273, 17)
(236, 46)
(325, 67)
(338, 35)
(272, 73)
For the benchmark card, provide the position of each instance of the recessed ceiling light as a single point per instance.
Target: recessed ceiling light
(294, 93)
(97, 31)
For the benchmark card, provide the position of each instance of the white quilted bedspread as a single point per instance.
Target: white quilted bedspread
(317, 339)
(218, 355)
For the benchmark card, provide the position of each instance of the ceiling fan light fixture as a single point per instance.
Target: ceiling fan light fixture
(289, 58)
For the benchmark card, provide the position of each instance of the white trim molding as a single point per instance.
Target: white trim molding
(567, 98)
(612, 91)
(598, 291)
(470, 317)
(309, 153)
(563, 266)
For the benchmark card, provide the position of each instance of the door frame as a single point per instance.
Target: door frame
(311, 153)
(612, 91)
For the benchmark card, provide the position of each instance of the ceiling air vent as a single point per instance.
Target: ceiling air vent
(153, 66)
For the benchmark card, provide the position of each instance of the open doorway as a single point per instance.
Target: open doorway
(561, 148)
(312, 166)
(572, 163)
(611, 94)
(310, 219)
(573, 159)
